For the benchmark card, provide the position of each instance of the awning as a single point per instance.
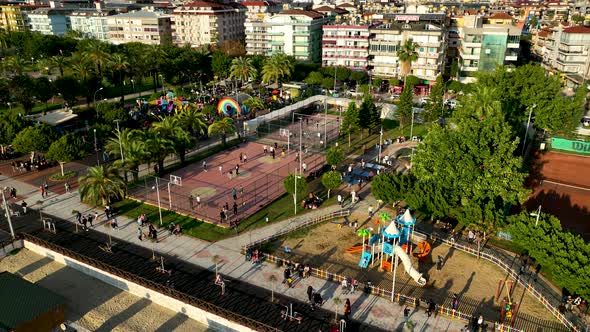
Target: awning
(57, 117)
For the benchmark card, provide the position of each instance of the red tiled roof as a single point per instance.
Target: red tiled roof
(543, 33)
(578, 29)
(204, 4)
(324, 9)
(309, 13)
(346, 5)
(501, 16)
(256, 3)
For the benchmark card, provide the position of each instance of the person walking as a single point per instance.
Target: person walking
(241, 157)
(24, 206)
(234, 193)
(245, 157)
(221, 169)
(42, 190)
(310, 294)
(339, 200)
(205, 165)
(431, 307)
(235, 208)
(264, 149)
(347, 310)
(139, 233)
(237, 169)
(370, 211)
(198, 201)
(406, 314)
(78, 216)
(304, 167)
(95, 217)
(67, 186)
(455, 302)
(191, 201)
(46, 188)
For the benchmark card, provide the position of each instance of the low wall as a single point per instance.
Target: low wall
(211, 320)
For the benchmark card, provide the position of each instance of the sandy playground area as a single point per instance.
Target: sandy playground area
(475, 281)
(93, 304)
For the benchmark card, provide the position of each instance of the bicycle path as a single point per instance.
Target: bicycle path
(369, 309)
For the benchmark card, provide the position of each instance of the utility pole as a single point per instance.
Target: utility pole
(7, 210)
(120, 144)
(526, 133)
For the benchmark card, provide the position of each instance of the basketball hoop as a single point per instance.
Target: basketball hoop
(176, 180)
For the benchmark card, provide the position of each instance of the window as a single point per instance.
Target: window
(421, 50)
(431, 50)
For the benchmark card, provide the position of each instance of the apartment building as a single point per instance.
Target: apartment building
(202, 23)
(91, 23)
(484, 47)
(145, 26)
(346, 46)
(14, 17)
(50, 21)
(256, 26)
(388, 38)
(298, 33)
(566, 49)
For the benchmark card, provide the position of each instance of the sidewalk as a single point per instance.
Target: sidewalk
(373, 310)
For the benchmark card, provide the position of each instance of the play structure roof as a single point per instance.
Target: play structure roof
(391, 231)
(406, 219)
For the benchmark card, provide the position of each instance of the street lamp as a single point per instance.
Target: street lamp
(96, 148)
(120, 144)
(295, 194)
(157, 187)
(95, 92)
(380, 144)
(133, 85)
(412, 125)
(162, 78)
(536, 214)
(7, 210)
(526, 133)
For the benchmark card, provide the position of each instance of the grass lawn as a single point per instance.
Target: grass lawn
(280, 209)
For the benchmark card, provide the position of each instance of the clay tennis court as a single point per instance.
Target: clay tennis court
(258, 183)
(562, 188)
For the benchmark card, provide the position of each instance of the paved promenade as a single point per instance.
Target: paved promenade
(373, 310)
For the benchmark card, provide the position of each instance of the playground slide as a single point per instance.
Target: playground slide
(354, 249)
(423, 250)
(365, 260)
(403, 256)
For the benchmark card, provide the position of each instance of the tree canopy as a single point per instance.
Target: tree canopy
(405, 106)
(66, 149)
(334, 156)
(291, 185)
(331, 180)
(368, 113)
(350, 121)
(35, 139)
(434, 107)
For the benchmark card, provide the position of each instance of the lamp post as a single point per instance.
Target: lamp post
(536, 214)
(526, 133)
(162, 78)
(133, 85)
(295, 194)
(120, 144)
(96, 148)
(158, 196)
(7, 214)
(380, 144)
(412, 125)
(95, 92)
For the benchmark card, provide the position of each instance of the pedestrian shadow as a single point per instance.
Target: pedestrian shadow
(253, 269)
(173, 323)
(124, 315)
(34, 266)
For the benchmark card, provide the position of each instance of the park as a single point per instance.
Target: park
(412, 205)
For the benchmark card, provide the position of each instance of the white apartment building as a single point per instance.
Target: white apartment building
(387, 40)
(50, 21)
(91, 23)
(346, 46)
(298, 33)
(484, 47)
(256, 25)
(147, 27)
(566, 49)
(202, 23)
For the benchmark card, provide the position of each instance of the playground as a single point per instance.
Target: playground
(480, 288)
(254, 181)
(561, 188)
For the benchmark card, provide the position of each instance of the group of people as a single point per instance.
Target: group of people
(311, 202)
(39, 163)
(84, 220)
(10, 191)
(301, 270)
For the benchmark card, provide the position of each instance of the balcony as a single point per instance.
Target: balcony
(470, 56)
(513, 45)
(471, 44)
(511, 58)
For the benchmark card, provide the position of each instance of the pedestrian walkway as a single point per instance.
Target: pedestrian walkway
(369, 309)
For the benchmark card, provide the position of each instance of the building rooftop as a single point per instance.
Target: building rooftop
(346, 5)
(500, 16)
(205, 4)
(51, 11)
(578, 29)
(142, 14)
(309, 13)
(22, 301)
(257, 3)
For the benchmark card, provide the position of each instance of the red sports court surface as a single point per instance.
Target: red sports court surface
(564, 190)
(260, 181)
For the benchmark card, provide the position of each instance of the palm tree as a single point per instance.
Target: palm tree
(222, 127)
(58, 62)
(15, 64)
(170, 129)
(364, 233)
(94, 51)
(407, 54)
(254, 104)
(157, 148)
(154, 57)
(192, 121)
(277, 67)
(337, 302)
(273, 279)
(100, 184)
(133, 150)
(242, 69)
(118, 62)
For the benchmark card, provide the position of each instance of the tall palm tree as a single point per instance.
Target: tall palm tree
(95, 52)
(154, 57)
(191, 120)
(100, 184)
(15, 64)
(254, 104)
(132, 145)
(277, 67)
(157, 148)
(84, 71)
(242, 69)
(58, 62)
(407, 54)
(169, 128)
(118, 62)
(337, 302)
(222, 127)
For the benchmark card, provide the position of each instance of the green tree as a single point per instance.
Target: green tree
(254, 104)
(58, 62)
(222, 128)
(407, 54)
(331, 180)
(11, 123)
(473, 161)
(68, 87)
(411, 80)
(22, 88)
(368, 113)
(192, 121)
(455, 86)
(394, 82)
(334, 156)
(66, 149)
(44, 90)
(242, 69)
(119, 64)
(95, 52)
(562, 254)
(391, 187)
(170, 129)
(405, 106)
(296, 188)
(454, 69)
(328, 83)
(110, 112)
(350, 121)
(314, 78)
(35, 139)
(100, 184)
(534, 22)
(220, 63)
(277, 67)
(434, 107)
(133, 146)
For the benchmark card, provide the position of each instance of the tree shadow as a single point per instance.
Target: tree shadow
(173, 323)
(124, 315)
(34, 266)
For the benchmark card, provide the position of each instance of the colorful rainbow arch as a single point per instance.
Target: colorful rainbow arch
(228, 106)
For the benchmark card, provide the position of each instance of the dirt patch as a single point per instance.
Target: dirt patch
(93, 304)
(475, 281)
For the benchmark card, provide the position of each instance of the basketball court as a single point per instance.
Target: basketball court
(563, 189)
(257, 183)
